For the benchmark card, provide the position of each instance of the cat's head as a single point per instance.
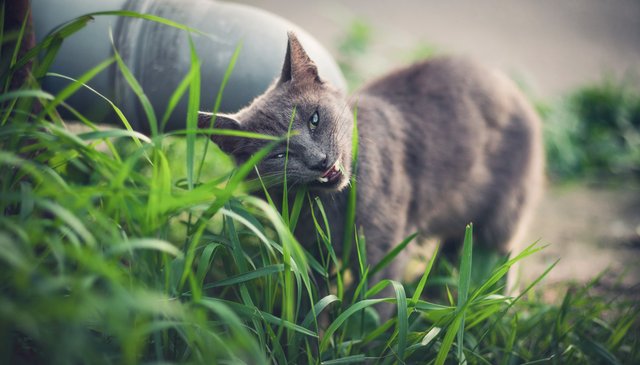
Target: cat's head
(319, 153)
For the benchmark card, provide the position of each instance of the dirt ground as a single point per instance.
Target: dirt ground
(590, 229)
(552, 47)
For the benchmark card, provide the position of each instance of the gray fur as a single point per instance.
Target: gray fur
(442, 143)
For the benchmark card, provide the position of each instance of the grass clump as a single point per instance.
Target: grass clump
(595, 132)
(133, 254)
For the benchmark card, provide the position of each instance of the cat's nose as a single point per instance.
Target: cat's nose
(321, 162)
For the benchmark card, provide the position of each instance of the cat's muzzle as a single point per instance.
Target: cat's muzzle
(332, 175)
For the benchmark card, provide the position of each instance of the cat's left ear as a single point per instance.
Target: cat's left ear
(298, 67)
(228, 144)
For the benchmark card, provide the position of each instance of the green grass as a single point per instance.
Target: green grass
(116, 249)
(594, 132)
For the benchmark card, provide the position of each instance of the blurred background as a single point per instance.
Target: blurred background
(578, 61)
(553, 47)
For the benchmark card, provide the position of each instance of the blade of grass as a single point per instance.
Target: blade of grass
(192, 113)
(190, 256)
(24, 93)
(38, 172)
(423, 279)
(240, 173)
(247, 276)
(318, 308)
(49, 55)
(113, 133)
(326, 240)
(175, 98)
(287, 298)
(512, 339)
(137, 89)
(447, 341)
(230, 132)
(361, 253)
(600, 351)
(402, 318)
(622, 329)
(239, 209)
(392, 254)
(247, 223)
(159, 189)
(265, 190)
(353, 359)
(150, 17)
(343, 317)
(362, 286)
(238, 327)
(216, 106)
(463, 286)
(514, 301)
(50, 44)
(117, 110)
(21, 33)
(350, 214)
(144, 244)
(285, 187)
(258, 314)
(73, 87)
(379, 331)
(206, 258)
(504, 269)
(312, 315)
(296, 252)
(239, 258)
(297, 208)
(69, 218)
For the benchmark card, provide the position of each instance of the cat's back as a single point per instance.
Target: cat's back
(440, 72)
(457, 100)
(445, 81)
(472, 140)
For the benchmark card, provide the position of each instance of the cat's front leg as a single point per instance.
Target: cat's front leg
(380, 239)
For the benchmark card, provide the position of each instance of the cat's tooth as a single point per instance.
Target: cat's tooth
(323, 179)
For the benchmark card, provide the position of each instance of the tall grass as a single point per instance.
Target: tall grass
(134, 254)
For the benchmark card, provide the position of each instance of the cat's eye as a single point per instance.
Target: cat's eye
(277, 155)
(314, 121)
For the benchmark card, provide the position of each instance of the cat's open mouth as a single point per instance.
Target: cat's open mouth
(332, 175)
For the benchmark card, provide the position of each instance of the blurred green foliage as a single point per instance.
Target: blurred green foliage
(352, 47)
(594, 133)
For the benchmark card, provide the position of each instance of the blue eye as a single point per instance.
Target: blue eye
(314, 121)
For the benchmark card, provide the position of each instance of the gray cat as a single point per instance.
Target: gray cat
(442, 143)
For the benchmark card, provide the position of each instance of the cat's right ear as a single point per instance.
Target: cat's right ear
(228, 144)
(298, 66)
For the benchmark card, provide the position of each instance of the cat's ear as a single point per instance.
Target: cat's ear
(228, 144)
(298, 67)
